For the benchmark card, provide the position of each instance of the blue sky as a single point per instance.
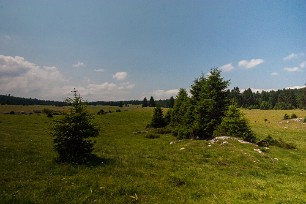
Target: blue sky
(130, 49)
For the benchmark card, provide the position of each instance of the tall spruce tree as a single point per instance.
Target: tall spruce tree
(145, 102)
(158, 118)
(152, 102)
(210, 101)
(182, 115)
(171, 102)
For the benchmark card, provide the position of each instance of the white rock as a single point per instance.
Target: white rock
(258, 150)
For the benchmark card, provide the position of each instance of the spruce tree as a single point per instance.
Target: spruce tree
(145, 102)
(210, 100)
(182, 115)
(151, 102)
(158, 118)
(235, 125)
(72, 132)
(171, 102)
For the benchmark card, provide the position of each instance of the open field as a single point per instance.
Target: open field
(134, 169)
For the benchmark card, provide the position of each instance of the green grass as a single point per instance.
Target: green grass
(135, 169)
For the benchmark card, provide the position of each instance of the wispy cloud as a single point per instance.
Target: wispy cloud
(274, 74)
(227, 67)
(99, 70)
(303, 64)
(165, 94)
(250, 64)
(292, 69)
(254, 90)
(296, 87)
(5, 38)
(79, 64)
(296, 68)
(293, 56)
(120, 76)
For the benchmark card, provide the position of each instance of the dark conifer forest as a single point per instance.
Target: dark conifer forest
(283, 99)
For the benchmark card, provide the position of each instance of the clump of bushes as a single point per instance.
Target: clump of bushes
(293, 115)
(162, 131)
(269, 141)
(152, 136)
(101, 112)
(235, 125)
(286, 116)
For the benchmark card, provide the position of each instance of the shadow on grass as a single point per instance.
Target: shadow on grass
(90, 161)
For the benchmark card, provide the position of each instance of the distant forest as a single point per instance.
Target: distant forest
(284, 99)
(13, 100)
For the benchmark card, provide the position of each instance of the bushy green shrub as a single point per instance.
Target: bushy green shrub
(101, 112)
(293, 115)
(72, 133)
(167, 117)
(48, 111)
(184, 133)
(163, 130)
(286, 116)
(235, 125)
(152, 136)
(279, 143)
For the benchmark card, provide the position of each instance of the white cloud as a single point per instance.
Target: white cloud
(120, 75)
(295, 87)
(165, 94)
(79, 65)
(292, 69)
(293, 56)
(227, 67)
(14, 65)
(302, 65)
(26, 79)
(250, 64)
(99, 70)
(254, 90)
(22, 78)
(274, 74)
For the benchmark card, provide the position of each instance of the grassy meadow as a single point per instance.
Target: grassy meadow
(132, 168)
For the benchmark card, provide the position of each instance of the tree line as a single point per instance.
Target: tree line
(284, 99)
(13, 100)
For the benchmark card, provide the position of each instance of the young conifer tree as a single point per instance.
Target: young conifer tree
(158, 120)
(72, 133)
(234, 124)
(152, 102)
(145, 102)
